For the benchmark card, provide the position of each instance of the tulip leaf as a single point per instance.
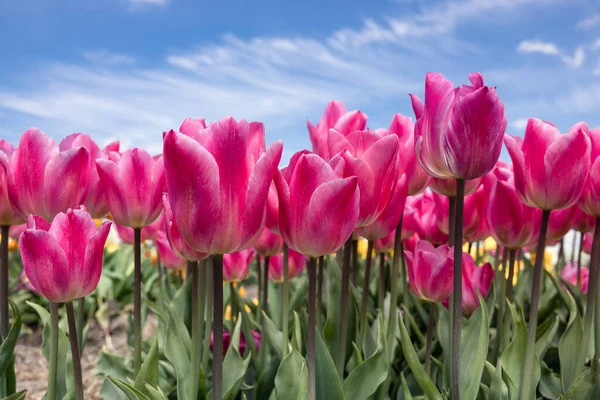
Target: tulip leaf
(274, 336)
(513, 357)
(498, 389)
(328, 381)
(149, 370)
(431, 392)
(131, 392)
(287, 384)
(550, 383)
(586, 386)
(177, 353)
(297, 334)
(405, 390)
(474, 351)
(544, 335)
(22, 395)
(7, 349)
(568, 345)
(154, 393)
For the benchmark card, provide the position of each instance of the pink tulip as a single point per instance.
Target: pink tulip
(149, 232)
(587, 243)
(590, 198)
(416, 177)
(459, 131)
(237, 265)
(559, 224)
(475, 279)
(296, 263)
(550, 169)
(218, 181)
(191, 126)
(272, 220)
(179, 246)
(447, 187)
(372, 159)
(475, 226)
(410, 244)
(95, 199)
(512, 224)
(387, 221)
(167, 256)
(431, 221)
(582, 222)
(8, 215)
(63, 260)
(334, 117)
(15, 231)
(385, 244)
(269, 243)
(318, 209)
(569, 274)
(410, 225)
(134, 184)
(42, 180)
(256, 338)
(430, 271)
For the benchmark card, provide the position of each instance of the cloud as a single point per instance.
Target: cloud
(537, 46)
(136, 5)
(103, 57)
(589, 22)
(519, 124)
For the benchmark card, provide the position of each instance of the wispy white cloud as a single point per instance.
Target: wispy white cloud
(574, 60)
(136, 5)
(519, 124)
(589, 22)
(104, 57)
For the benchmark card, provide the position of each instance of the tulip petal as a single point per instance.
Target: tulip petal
(65, 180)
(92, 265)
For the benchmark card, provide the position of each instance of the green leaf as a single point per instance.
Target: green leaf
(7, 349)
(234, 366)
(498, 389)
(22, 395)
(587, 385)
(286, 381)
(297, 334)
(131, 392)
(568, 345)
(544, 335)
(273, 335)
(149, 370)
(474, 349)
(405, 390)
(415, 365)
(179, 356)
(513, 357)
(328, 381)
(154, 393)
(550, 384)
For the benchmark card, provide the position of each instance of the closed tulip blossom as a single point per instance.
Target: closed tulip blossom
(218, 181)
(134, 183)
(432, 217)
(269, 243)
(297, 262)
(176, 241)
(582, 222)
(256, 338)
(459, 130)
(475, 226)
(237, 265)
(550, 169)
(42, 179)
(569, 274)
(447, 187)
(63, 260)
(475, 279)
(590, 197)
(95, 199)
(8, 215)
(372, 159)
(168, 257)
(561, 222)
(318, 209)
(335, 117)
(149, 232)
(587, 243)
(430, 271)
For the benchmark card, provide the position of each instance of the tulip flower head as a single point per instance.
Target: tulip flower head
(176, 241)
(149, 232)
(430, 271)
(318, 209)
(590, 198)
(269, 243)
(237, 265)
(296, 263)
(8, 215)
(569, 274)
(218, 181)
(167, 256)
(550, 169)
(459, 131)
(63, 260)
(256, 337)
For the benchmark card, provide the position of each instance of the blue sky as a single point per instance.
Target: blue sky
(130, 69)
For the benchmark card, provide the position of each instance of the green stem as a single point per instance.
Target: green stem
(590, 299)
(381, 294)
(137, 299)
(429, 339)
(232, 303)
(457, 292)
(4, 318)
(365, 291)
(80, 322)
(202, 267)
(265, 284)
(53, 362)
(405, 291)
(192, 267)
(76, 358)
(310, 352)
(320, 267)
(209, 312)
(451, 219)
(579, 261)
(259, 279)
(217, 366)
(355, 262)
(285, 300)
(533, 308)
(344, 300)
(502, 312)
(393, 314)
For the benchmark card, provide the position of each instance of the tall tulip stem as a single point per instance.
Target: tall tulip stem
(259, 282)
(502, 312)
(393, 315)
(381, 289)
(341, 353)
(137, 299)
(74, 351)
(533, 308)
(311, 351)
(53, 361)
(4, 281)
(80, 322)
(365, 291)
(286, 299)
(320, 267)
(265, 284)
(451, 219)
(590, 299)
(355, 262)
(208, 270)
(581, 236)
(192, 266)
(218, 325)
(430, 326)
(457, 292)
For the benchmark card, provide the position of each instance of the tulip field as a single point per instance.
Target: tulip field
(407, 262)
